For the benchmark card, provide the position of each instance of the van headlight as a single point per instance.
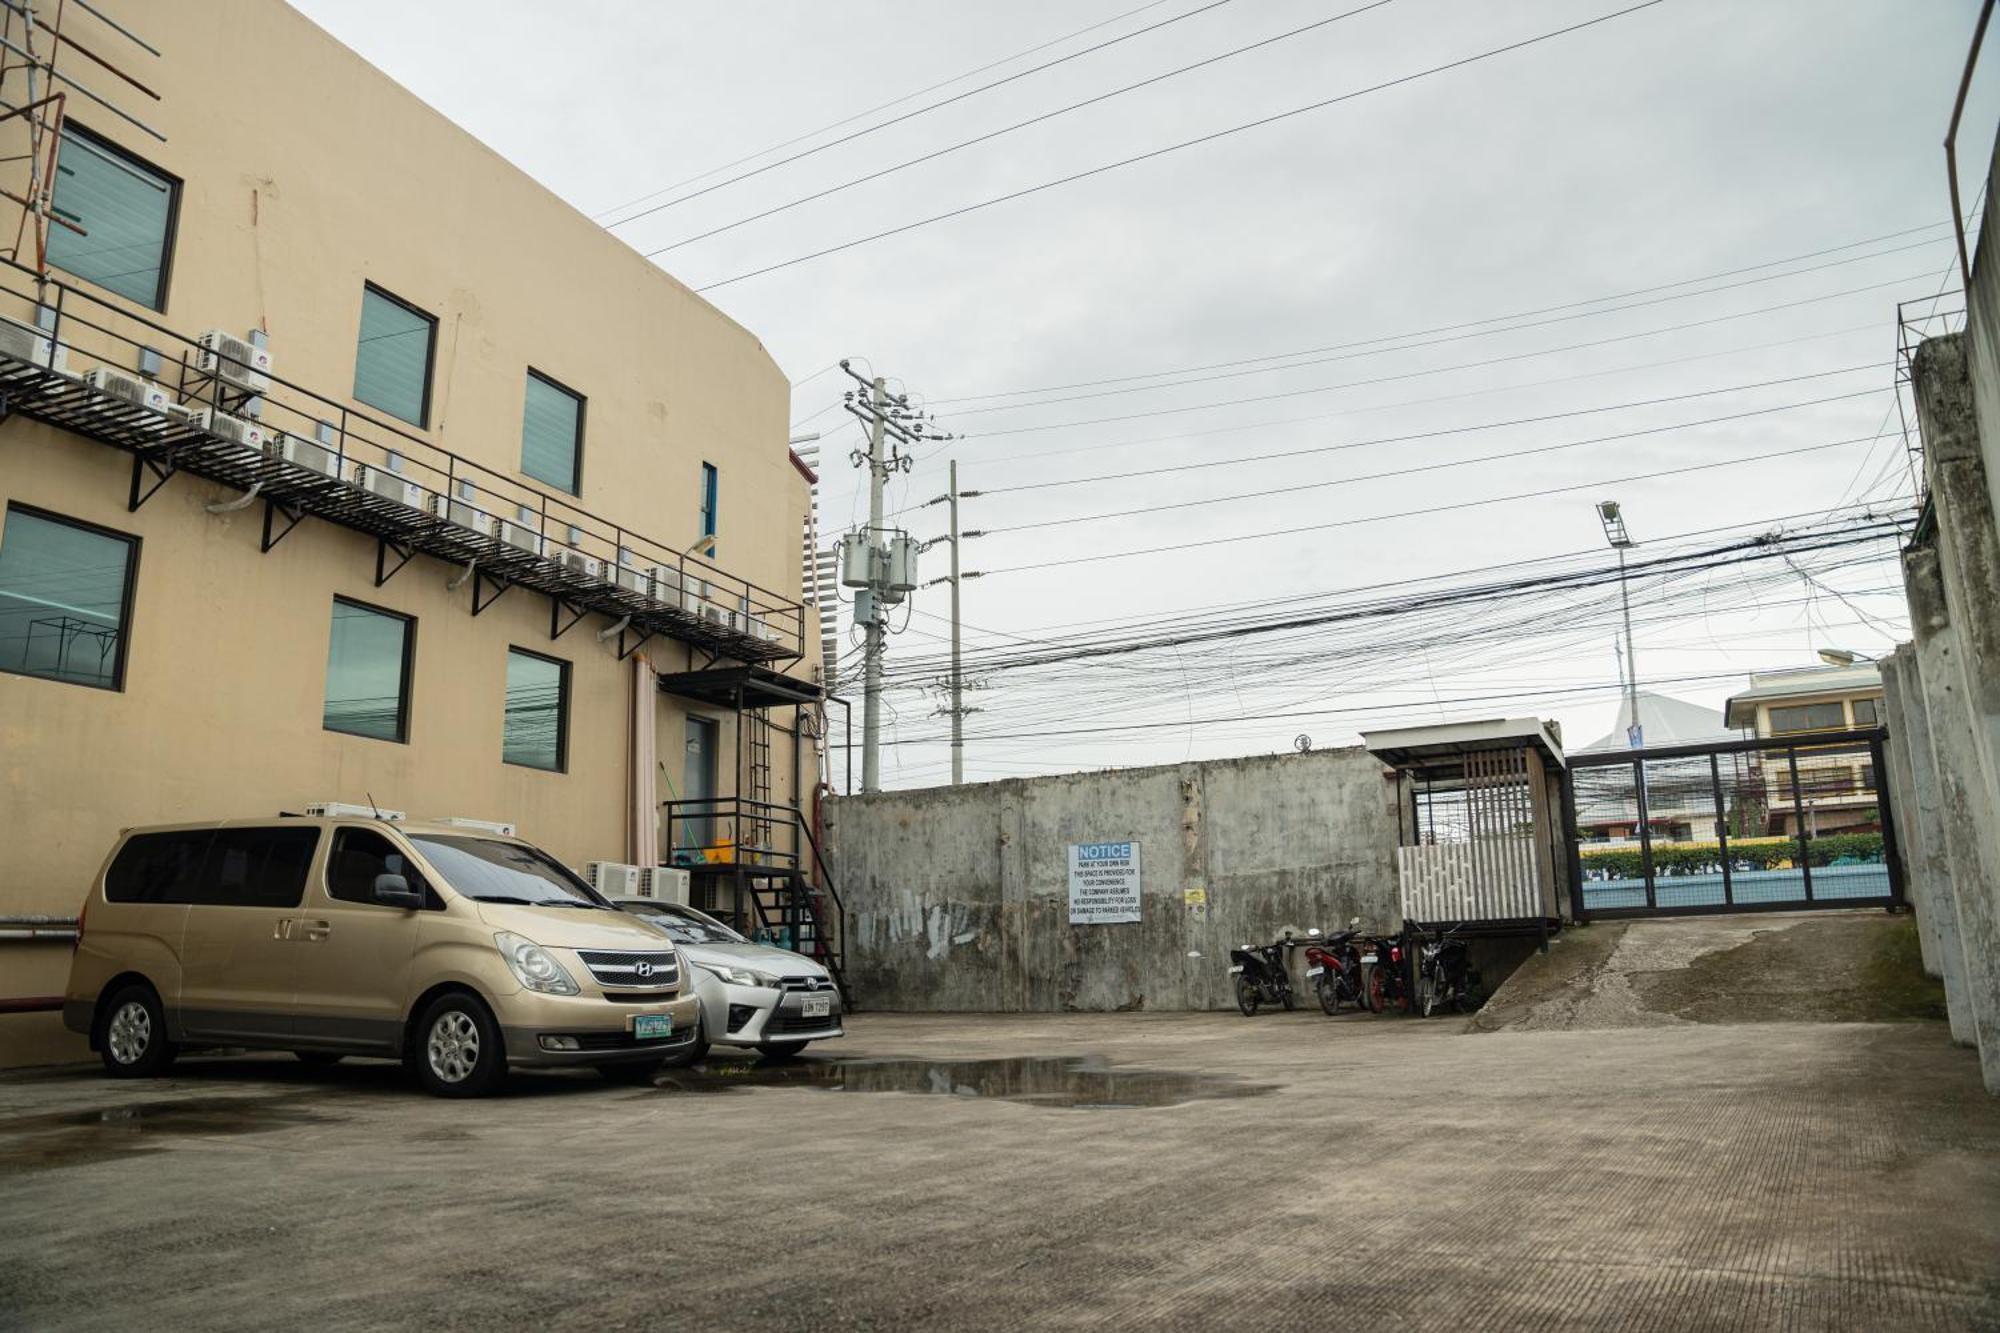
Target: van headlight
(533, 966)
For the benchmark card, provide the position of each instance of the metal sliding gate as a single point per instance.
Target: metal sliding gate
(1763, 825)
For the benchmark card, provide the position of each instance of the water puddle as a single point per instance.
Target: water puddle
(77, 1138)
(1086, 1082)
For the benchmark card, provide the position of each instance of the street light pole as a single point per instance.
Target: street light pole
(1613, 519)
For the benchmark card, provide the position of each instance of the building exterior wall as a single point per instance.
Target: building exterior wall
(957, 898)
(314, 174)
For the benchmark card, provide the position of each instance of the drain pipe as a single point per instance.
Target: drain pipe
(613, 631)
(460, 581)
(243, 501)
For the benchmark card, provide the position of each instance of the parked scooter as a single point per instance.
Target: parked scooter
(1333, 967)
(1383, 986)
(1262, 975)
(1445, 975)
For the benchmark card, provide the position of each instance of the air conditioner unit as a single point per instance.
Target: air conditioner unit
(131, 388)
(234, 429)
(666, 585)
(665, 883)
(305, 454)
(234, 361)
(342, 810)
(463, 513)
(389, 486)
(576, 561)
(716, 615)
(25, 342)
(629, 578)
(521, 535)
(763, 629)
(613, 879)
(479, 825)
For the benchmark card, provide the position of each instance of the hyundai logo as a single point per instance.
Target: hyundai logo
(642, 968)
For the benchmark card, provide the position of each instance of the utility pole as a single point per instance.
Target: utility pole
(1613, 519)
(956, 710)
(879, 564)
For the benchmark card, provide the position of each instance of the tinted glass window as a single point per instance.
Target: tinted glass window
(156, 867)
(537, 708)
(1808, 717)
(62, 600)
(367, 673)
(392, 362)
(359, 855)
(1865, 712)
(504, 872)
(710, 498)
(126, 212)
(256, 867)
(552, 435)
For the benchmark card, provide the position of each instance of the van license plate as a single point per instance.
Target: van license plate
(817, 1006)
(648, 1026)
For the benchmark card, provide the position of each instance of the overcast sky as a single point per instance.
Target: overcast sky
(1687, 139)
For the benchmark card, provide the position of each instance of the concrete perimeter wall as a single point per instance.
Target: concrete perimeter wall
(958, 897)
(1942, 691)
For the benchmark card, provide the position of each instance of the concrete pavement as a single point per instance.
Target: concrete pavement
(1282, 1171)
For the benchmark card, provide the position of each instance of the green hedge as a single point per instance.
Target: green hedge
(1704, 858)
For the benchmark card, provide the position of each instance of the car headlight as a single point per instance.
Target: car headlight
(533, 966)
(740, 976)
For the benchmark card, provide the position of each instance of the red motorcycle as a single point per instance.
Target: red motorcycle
(1333, 967)
(1385, 985)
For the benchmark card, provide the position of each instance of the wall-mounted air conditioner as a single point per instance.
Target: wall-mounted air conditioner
(665, 883)
(128, 387)
(234, 429)
(716, 615)
(464, 514)
(305, 454)
(576, 561)
(520, 535)
(613, 879)
(234, 361)
(630, 578)
(389, 486)
(666, 585)
(25, 342)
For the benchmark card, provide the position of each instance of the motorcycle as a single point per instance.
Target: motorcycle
(1333, 966)
(1383, 983)
(1262, 976)
(1444, 975)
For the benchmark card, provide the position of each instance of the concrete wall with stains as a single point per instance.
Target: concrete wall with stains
(958, 897)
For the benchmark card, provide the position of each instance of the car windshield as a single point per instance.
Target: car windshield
(493, 871)
(685, 925)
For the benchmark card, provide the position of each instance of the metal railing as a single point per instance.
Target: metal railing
(528, 535)
(742, 840)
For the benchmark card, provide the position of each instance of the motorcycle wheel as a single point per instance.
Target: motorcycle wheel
(1246, 996)
(1371, 991)
(1427, 995)
(1329, 996)
(1288, 999)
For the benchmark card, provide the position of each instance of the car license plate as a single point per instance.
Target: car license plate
(1367, 957)
(1315, 971)
(817, 1006)
(648, 1026)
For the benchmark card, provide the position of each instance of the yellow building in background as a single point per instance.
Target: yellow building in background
(340, 461)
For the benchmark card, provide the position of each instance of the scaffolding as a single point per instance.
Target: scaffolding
(35, 93)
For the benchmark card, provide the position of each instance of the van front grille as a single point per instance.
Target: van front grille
(632, 971)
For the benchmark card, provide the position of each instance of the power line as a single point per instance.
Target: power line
(1176, 147)
(1009, 129)
(925, 110)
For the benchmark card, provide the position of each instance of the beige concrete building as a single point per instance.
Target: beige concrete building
(438, 555)
(1837, 790)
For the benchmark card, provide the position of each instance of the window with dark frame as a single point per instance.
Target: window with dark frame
(124, 210)
(368, 661)
(552, 434)
(536, 729)
(1808, 717)
(393, 356)
(65, 598)
(709, 500)
(1865, 712)
(358, 856)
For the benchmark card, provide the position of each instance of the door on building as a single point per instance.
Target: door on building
(698, 781)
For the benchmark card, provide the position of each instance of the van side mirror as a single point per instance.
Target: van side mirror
(395, 891)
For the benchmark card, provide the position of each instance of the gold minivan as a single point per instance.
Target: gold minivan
(458, 950)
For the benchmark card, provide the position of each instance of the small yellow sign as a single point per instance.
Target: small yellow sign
(1195, 897)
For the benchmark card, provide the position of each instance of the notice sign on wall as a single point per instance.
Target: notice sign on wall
(1103, 883)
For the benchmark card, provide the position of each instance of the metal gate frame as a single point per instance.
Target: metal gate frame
(1874, 738)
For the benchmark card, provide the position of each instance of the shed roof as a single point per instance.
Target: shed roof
(1419, 747)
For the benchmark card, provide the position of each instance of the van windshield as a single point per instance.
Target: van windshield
(505, 872)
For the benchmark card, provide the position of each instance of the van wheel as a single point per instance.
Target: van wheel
(132, 1034)
(458, 1049)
